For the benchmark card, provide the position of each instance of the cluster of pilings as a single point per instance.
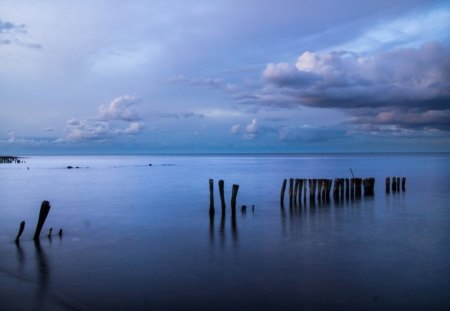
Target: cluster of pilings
(10, 159)
(343, 188)
(43, 212)
(234, 193)
(395, 184)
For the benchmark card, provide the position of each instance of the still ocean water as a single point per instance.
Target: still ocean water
(139, 237)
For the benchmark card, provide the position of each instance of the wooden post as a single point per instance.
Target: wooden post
(211, 197)
(222, 194)
(358, 182)
(341, 187)
(394, 184)
(368, 184)
(352, 187)
(291, 190)
(312, 189)
(403, 184)
(319, 188)
(398, 184)
(45, 208)
(21, 228)
(347, 188)
(388, 184)
(297, 181)
(283, 190)
(305, 181)
(336, 189)
(234, 193)
(300, 189)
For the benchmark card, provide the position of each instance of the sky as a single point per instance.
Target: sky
(224, 76)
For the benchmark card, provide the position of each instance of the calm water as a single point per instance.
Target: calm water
(138, 237)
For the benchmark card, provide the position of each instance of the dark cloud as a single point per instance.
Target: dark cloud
(8, 27)
(9, 33)
(411, 86)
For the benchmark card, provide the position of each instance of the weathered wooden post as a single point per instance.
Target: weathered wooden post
(368, 184)
(347, 188)
(398, 184)
(291, 190)
(211, 197)
(336, 189)
(394, 184)
(403, 184)
(341, 188)
(312, 189)
(45, 208)
(21, 228)
(283, 190)
(388, 184)
(222, 194)
(300, 189)
(305, 182)
(358, 182)
(297, 181)
(352, 187)
(319, 189)
(234, 192)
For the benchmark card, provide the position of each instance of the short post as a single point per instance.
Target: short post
(211, 197)
(388, 184)
(296, 184)
(283, 190)
(352, 187)
(300, 189)
(21, 228)
(305, 181)
(45, 208)
(336, 189)
(403, 184)
(398, 184)
(234, 192)
(319, 188)
(222, 194)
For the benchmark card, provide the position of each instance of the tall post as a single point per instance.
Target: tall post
(283, 190)
(222, 194)
(234, 192)
(211, 197)
(45, 208)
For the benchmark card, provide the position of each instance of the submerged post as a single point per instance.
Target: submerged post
(234, 192)
(388, 184)
(283, 190)
(222, 194)
(21, 228)
(211, 197)
(45, 208)
(403, 183)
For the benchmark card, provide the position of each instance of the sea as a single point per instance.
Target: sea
(137, 234)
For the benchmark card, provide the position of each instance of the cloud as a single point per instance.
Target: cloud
(120, 108)
(9, 33)
(177, 115)
(412, 84)
(113, 120)
(235, 129)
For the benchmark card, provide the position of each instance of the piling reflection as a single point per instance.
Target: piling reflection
(43, 275)
(222, 229)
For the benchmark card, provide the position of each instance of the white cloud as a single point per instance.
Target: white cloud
(120, 108)
(235, 129)
(251, 130)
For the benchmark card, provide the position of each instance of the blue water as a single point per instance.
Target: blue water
(139, 237)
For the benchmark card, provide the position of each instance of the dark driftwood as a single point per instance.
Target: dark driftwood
(222, 194)
(45, 208)
(388, 184)
(211, 197)
(234, 192)
(21, 228)
(283, 190)
(403, 183)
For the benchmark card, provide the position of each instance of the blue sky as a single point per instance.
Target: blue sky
(224, 76)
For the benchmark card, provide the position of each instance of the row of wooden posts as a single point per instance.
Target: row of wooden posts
(395, 184)
(234, 192)
(10, 159)
(321, 189)
(43, 212)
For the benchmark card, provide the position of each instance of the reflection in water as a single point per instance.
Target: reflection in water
(43, 275)
(222, 233)
(20, 257)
